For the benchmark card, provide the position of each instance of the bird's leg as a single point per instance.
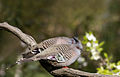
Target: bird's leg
(65, 67)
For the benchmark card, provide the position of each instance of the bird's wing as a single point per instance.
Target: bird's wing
(39, 48)
(59, 53)
(46, 44)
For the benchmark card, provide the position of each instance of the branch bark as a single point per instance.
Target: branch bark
(57, 72)
(27, 39)
(69, 72)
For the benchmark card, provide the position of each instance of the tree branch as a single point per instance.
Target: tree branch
(69, 72)
(27, 39)
(57, 72)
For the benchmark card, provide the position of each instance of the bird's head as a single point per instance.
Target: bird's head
(77, 42)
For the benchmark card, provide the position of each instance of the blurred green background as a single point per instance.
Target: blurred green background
(43, 19)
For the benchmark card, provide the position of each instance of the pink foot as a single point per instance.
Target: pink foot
(65, 67)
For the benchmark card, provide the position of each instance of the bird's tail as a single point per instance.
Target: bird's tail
(20, 61)
(10, 66)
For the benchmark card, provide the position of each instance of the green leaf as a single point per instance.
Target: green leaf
(84, 42)
(87, 49)
(115, 71)
(112, 65)
(85, 38)
(101, 44)
(100, 49)
(90, 33)
(118, 63)
(96, 41)
(106, 55)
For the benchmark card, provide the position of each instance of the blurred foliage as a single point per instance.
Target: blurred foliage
(93, 46)
(105, 66)
(110, 68)
(49, 18)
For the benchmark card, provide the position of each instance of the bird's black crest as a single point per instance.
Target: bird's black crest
(76, 39)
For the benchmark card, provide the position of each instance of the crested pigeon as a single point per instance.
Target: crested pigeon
(48, 43)
(59, 55)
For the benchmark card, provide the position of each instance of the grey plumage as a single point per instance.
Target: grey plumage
(59, 53)
(48, 43)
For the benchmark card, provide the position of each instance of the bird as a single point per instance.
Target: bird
(58, 55)
(48, 43)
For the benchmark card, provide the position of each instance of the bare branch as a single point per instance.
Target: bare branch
(69, 72)
(27, 39)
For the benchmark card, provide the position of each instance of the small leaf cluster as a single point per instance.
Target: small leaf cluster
(109, 68)
(93, 46)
